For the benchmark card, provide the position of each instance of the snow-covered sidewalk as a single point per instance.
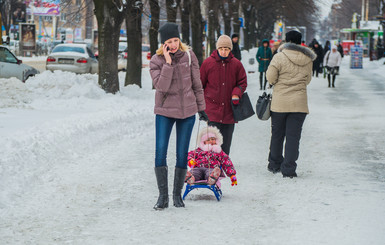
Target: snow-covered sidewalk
(76, 167)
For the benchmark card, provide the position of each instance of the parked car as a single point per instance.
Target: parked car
(76, 58)
(10, 66)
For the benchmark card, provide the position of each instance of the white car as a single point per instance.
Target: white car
(10, 66)
(76, 58)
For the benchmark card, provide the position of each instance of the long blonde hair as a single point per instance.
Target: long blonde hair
(182, 46)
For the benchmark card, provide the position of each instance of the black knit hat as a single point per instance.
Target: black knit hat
(294, 37)
(234, 35)
(167, 31)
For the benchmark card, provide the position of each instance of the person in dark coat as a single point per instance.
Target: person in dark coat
(340, 49)
(264, 56)
(236, 50)
(224, 81)
(319, 60)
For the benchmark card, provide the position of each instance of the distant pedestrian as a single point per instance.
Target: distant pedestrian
(340, 49)
(290, 72)
(332, 61)
(224, 82)
(303, 44)
(179, 96)
(264, 56)
(236, 50)
(319, 60)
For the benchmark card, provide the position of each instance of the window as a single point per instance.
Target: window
(7, 56)
(78, 3)
(68, 49)
(48, 18)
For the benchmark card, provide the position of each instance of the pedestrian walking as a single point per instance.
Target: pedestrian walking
(290, 72)
(179, 96)
(224, 82)
(263, 57)
(332, 61)
(236, 51)
(319, 60)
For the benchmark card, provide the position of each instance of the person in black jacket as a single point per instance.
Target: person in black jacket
(319, 60)
(236, 51)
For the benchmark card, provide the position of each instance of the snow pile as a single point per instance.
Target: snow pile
(14, 93)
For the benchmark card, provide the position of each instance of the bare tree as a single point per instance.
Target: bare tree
(172, 9)
(234, 4)
(134, 9)
(225, 11)
(186, 21)
(109, 15)
(155, 12)
(213, 24)
(6, 15)
(197, 30)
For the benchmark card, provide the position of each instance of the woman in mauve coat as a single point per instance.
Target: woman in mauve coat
(179, 96)
(224, 81)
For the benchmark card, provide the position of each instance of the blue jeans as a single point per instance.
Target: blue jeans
(163, 126)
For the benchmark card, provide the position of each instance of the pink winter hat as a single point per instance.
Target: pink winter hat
(209, 132)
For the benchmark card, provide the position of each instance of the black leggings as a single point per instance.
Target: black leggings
(260, 80)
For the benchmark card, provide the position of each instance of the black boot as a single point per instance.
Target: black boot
(329, 80)
(161, 179)
(334, 79)
(180, 174)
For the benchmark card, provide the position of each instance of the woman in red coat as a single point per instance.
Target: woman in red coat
(224, 80)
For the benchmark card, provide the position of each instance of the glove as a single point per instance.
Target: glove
(233, 180)
(235, 101)
(203, 116)
(192, 163)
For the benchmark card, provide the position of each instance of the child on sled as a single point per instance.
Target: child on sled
(208, 161)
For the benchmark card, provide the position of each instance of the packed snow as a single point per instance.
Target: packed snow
(76, 167)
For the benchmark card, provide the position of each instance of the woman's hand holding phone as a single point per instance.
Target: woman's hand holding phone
(166, 52)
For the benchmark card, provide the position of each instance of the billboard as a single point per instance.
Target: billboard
(43, 7)
(18, 10)
(27, 37)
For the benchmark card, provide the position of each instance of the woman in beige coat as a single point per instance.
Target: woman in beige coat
(289, 72)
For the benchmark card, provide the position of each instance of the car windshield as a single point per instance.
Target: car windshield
(68, 49)
(145, 48)
(6, 56)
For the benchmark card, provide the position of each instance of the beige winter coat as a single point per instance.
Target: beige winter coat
(290, 72)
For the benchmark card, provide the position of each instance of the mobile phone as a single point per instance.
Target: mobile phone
(168, 49)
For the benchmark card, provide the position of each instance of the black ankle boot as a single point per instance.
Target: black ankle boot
(180, 174)
(161, 179)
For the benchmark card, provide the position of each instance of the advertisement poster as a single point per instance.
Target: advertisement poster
(18, 10)
(28, 37)
(43, 7)
(356, 54)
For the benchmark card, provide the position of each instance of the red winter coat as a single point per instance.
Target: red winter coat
(221, 79)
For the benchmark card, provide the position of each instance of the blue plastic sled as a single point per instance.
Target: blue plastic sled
(216, 188)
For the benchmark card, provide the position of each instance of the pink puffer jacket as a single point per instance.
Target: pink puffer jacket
(179, 92)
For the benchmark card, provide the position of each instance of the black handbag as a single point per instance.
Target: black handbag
(244, 109)
(263, 106)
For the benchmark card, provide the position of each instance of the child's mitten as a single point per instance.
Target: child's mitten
(233, 180)
(192, 163)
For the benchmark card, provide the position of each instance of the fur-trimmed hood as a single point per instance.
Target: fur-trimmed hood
(207, 133)
(298, 54)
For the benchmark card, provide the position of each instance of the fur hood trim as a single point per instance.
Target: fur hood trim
(207, 133)
(304, 50)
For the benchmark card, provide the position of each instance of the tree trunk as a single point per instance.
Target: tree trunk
(109, 20)
(172, 8)
(235, 15)
(186, 21)
(253, 29)
(224, 7)
(197, 30)
(134, 43)
(6, 15)
(213, 24)
(246, 8)
(155, 10)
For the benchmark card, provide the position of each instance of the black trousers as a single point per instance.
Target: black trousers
(285, 126)
(227, 131)
(261, 75)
